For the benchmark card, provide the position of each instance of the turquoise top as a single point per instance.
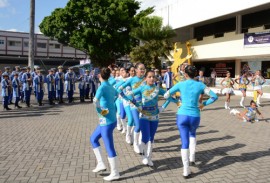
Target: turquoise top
(190, 92)
(134, 82)
(104, 99)
(149, 101)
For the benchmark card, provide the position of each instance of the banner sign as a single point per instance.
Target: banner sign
(258, 39)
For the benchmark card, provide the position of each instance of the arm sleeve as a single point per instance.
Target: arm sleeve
(161, 91)
(168, 101)
(14, 84)
(124, 85)
(211, 94)
(96, 100)
(129, 96)
(172, 91)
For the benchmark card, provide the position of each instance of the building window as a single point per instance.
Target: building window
(57, 46)
(42, 45)
(2, 41)
(14, 43)
(25, 44)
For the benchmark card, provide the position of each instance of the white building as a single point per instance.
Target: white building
(48, 53)
(216, 31)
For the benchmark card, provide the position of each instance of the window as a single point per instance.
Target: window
(2, 41)
(14, 43)
(57, 46)
(25, 44)
(41, 45)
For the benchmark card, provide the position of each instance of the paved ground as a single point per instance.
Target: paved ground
(51, 144)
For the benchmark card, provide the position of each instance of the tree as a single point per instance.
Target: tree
(101, 28)
(155, 41)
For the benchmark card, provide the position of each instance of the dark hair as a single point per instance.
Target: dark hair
(137, 65)
(146, 74)
(252, 102)
(191, 71)
(105, 73)
(129, 68)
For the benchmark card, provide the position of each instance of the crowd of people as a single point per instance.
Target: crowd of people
(19, 84)
(127, 99)
(134, 94)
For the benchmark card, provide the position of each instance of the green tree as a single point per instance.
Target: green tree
(154, 41)
(101, 28)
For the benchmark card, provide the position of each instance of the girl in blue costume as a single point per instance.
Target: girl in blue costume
(113, 81)
(188, 115)
(149, 114)
(121, 110)
(104, 101)
(130, 122)
(125, 108)
(135, 83)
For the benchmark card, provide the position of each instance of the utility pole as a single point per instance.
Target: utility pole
(31, 35)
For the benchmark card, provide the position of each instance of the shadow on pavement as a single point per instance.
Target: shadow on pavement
(228, 160)
(204, 156)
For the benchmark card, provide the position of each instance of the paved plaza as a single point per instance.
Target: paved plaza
(51, 144)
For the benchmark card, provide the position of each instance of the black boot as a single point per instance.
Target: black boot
(27, 104)
(40, 103)
(7, 108)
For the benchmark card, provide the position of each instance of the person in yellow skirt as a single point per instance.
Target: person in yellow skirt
(227, 88)
(258, 81)
(242, 82)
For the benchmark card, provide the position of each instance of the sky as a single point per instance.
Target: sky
(14, 14)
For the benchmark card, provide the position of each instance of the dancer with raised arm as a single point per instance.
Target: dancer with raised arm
(188, 115)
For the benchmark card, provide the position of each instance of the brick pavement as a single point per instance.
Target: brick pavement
(52, 145)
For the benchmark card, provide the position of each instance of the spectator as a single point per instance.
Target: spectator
(213, 77)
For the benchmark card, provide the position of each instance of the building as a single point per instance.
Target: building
(48, 53)
(225, 35)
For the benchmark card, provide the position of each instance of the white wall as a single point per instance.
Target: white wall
(231, 46)
(180, 13)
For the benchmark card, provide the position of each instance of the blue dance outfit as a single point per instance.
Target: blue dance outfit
(134, 83)
(104, 99)
(188, 116)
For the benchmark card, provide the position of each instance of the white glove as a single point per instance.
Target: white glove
(163, 85)
(161, 109)
(167, 95)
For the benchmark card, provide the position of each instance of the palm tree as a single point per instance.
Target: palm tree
(154, 41)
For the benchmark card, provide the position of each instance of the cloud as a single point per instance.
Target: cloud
(3, 3)
(12, 30)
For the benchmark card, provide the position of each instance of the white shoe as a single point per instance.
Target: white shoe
(185, 160)
(136, 145)
(100, 164)
(136, 148)
(114, 175)
(119, 128)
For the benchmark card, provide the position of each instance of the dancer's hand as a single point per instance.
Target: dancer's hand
(201, 107)
(167, 95)
(161, 109)
(104, 112)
